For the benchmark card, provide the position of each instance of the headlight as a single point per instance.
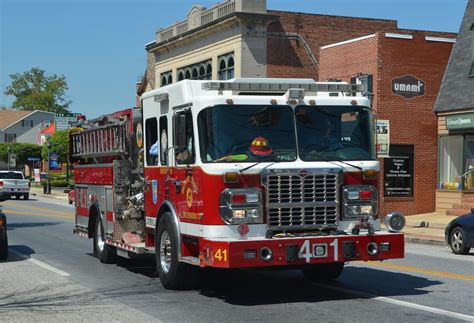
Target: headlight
(359, 202)
(395, 222)
(241, 205)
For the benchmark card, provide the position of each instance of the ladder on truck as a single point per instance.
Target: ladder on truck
(101, 141)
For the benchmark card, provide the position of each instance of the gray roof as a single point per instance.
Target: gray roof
(457, 90)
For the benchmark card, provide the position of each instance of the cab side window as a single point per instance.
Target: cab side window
(184, 138)
(164, 140)
(152, 144)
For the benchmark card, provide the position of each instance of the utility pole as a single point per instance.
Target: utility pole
(8, 159)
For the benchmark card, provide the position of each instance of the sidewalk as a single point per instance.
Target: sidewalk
(56, 192)
(425, 228)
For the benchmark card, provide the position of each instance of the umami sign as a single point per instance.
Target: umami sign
(408, 86)
(460, 121)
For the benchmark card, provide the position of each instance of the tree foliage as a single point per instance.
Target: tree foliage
(34, 90)
(59, 143)
(22, 151)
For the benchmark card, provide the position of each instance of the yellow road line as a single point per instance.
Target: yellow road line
(420, 270)
(22, 206)
(7, 212)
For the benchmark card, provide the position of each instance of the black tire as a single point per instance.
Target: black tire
(103, 251)
(457, 241)
(323, 272)
(4, 248)
(173, 274)
(70, 201)
(26, 196)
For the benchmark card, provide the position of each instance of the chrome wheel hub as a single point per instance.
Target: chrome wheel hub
(165, 251)
(457, 240)
(100, 241)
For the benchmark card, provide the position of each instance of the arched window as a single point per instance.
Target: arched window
(209, 71)
(226, 67)
(163, 81)
(180, 76)
(195, 73)
(222, 69)
(170, 79)
(230, 68)
(202, 72)
(187, 75)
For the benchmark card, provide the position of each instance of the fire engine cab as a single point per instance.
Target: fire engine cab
(242, 173)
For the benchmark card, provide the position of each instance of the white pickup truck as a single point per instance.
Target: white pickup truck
(13, 183)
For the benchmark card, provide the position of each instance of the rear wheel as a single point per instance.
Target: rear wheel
(4, 248)
(457, 241)
(173, 274)
(103, 251)
(323, 272)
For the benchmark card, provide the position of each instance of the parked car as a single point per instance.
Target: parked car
(459, 233)
(3, 235)
(13, 183)
(72, 196)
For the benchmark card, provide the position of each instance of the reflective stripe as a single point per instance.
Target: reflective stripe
(221, 231)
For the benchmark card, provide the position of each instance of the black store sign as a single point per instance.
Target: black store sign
(398, 172)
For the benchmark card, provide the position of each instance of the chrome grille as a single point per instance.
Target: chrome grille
(304, 201)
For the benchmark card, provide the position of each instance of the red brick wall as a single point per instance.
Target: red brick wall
(412, 121)
(287, 58)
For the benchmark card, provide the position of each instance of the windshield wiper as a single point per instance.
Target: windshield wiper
(257, 163)
(340, 161)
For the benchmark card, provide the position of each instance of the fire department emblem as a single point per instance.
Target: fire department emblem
(139, 135)
(154, 190)
(189, 197)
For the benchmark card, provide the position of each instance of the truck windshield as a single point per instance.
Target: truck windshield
(334, 133)
(247, 133)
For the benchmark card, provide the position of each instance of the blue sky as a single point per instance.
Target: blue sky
(99, 45)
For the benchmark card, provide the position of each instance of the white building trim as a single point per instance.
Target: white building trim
(348, 41)
(440, 39)
(399, 36)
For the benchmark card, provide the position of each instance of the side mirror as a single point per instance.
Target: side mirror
(180, 131)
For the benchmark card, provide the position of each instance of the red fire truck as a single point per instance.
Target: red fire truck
(242, 173)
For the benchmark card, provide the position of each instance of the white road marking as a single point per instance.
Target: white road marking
(39, 263)
(429, 309)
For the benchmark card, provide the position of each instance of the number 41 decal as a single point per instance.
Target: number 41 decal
(318, 250)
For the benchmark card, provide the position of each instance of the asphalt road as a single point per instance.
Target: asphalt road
(430, 284)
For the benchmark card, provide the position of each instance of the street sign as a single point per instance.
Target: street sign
(12, 160)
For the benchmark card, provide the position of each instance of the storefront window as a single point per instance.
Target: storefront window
(451, 163)
(469, 168)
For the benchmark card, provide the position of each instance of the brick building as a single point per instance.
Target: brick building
(455, 110)
(404, 73)
(238, 38)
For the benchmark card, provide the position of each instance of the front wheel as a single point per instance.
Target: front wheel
(103, 251)
(457, 242)
(173, 274)
(323, 272)
(26, 196)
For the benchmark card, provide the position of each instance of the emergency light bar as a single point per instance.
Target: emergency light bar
(161, 97)
(282, 85)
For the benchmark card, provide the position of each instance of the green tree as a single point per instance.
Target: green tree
(34, 90)
(22, 152)
(58, 143)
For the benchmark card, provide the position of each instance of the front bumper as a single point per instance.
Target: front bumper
(299, 251)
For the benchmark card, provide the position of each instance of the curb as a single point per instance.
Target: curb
(425, 241)
(57, 197)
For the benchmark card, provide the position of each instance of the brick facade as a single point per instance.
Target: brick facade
(288, 57)
(412, 121)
